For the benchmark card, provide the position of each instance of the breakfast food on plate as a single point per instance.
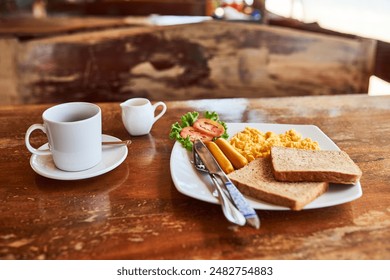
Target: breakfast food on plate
(194, 134)
(192, 127)
(231, 153)
(282, 169)
(256, 180)
(314, 166)
(220, 157)
(252, 143)
(209, 127)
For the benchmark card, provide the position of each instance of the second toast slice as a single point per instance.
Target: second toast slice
(296, 165)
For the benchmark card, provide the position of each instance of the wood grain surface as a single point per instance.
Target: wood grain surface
(26, 28)
(213, 59)
(135, 211)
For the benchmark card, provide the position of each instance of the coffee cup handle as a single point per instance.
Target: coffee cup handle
(27, 140)
(164, 109)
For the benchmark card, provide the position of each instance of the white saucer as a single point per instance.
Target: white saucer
(112, 157)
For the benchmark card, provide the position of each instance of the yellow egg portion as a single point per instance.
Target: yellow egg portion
(252, 143)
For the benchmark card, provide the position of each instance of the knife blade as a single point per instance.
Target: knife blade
(230, 211)
(239, 200)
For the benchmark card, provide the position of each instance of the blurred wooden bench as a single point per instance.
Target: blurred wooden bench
(214, 59)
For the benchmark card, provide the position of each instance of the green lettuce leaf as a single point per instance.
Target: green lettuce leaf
(188, 120)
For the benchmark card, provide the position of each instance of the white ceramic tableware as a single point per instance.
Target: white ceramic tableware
(112, 156)
(138, 115)
(74, 132)
(194, 184)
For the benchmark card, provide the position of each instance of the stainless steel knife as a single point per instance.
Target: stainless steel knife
(230, 211)
(236, 196)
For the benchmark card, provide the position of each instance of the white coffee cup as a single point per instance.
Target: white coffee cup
(138, 115)
(74, 132)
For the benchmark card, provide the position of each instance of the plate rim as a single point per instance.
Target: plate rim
(258, 204)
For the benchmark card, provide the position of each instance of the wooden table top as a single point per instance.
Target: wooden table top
(135, 211)
(30, 27)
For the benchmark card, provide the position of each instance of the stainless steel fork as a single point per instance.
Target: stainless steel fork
(230, 211)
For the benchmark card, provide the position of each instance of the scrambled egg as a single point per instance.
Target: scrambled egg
(252, 143)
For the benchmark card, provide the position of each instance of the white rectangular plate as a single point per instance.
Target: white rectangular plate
(192, 183)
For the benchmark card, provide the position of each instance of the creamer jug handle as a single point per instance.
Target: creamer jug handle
(164, 109)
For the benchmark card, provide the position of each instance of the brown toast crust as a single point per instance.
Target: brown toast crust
(256, 180)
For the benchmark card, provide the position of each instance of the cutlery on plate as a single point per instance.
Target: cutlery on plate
(231, 213)
(238, 199)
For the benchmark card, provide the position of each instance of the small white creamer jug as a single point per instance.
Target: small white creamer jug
(138, 115)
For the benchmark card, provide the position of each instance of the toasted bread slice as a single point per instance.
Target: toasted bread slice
(256, 180)
(297, 165)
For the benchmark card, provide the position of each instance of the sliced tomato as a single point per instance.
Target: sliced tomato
(209, 127)
(194, 134)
